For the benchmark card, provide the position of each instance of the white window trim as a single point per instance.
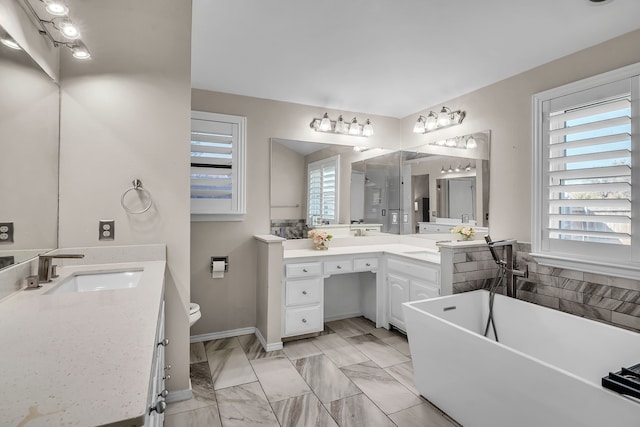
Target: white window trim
(240, 209)
(333, 159)
(630, 269)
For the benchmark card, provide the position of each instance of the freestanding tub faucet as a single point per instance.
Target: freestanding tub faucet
(46, 268)
(509, 263)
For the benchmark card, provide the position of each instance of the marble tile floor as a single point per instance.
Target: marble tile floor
(352, 375)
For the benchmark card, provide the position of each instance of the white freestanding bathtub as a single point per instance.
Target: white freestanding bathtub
(545, 371)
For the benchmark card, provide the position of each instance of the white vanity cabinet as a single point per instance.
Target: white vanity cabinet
(157, 392)
(409, 281)
(302, 298)
(303, 289)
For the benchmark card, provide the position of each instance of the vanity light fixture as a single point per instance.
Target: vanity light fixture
(468, 167)
(450, 170)
(471, 142)
(60, 25)
(325, 124)
(432, 121)
(443, 171)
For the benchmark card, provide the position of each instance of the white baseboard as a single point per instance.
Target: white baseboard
(236, 333)
(223, 334)
(180, 395)
(268, 347)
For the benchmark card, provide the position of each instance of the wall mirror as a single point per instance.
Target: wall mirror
(29, 130)
(394, 189)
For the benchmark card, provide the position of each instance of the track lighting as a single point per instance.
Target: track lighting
(60, 26)
(353, 128)
(433, 121)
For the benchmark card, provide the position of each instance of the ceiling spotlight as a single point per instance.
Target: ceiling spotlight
(367, 130)
(9, 42)
(69, 30)
(80, 52)
(56, 7)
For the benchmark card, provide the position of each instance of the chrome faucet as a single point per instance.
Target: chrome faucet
(509, 263)
(46, 270)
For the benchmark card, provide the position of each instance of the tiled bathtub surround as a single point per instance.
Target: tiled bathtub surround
(289, 228)
(605, 298)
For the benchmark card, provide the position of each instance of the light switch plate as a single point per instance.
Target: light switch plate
(107, 230)
(6, 232)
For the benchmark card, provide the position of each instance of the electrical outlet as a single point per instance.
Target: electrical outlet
(6, 232)
(107, 230)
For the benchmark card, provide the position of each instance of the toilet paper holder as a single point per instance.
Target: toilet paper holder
(220, 258)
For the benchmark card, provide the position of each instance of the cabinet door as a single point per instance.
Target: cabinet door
(398, 293)
(419, 289)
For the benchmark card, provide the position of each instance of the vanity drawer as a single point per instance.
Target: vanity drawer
(303, 291)
(423, 272)
(338, 267)
(298, 321)
(365, 264)
(304, 269)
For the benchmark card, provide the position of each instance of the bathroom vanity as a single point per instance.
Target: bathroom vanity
(85, 355)
(370, 280)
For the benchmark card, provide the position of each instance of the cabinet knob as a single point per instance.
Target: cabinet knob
(368, 264)
(164, 342)
(164, 393)
(304, 320)
(304, 270)
(159, 408)
(167, 368)
(304, 292)
(339, 267)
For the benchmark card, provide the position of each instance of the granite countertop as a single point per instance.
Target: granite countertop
(80, 359)
(418, 253)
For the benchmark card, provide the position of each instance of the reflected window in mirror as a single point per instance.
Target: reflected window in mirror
(322, 191)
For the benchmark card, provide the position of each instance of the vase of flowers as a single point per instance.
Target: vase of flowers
(466, 232)
(320, 239)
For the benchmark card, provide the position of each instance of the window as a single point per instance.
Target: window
(586, 174)
(217, 167)
(322, 191)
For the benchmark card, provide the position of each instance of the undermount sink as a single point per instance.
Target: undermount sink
(93, 282)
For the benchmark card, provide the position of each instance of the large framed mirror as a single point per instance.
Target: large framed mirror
(29, 133)
(392, 191)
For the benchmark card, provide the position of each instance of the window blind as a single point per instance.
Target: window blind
(217, 165)
(322, 191)
(589, 171)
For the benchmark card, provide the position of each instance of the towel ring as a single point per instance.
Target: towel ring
(137, 186)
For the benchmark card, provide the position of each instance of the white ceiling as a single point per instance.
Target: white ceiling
(387, 57)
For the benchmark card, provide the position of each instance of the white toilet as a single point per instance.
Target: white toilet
(194, 313)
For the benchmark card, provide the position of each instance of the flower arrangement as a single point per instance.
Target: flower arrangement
(466, 232)
(320, 239)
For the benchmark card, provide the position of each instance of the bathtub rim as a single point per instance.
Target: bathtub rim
(410, 305)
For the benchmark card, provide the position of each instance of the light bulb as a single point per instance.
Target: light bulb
(367, 130)
(441, 142)
(69, 30)
(468, 167)
(325, 123)
(354, 127)
(443, 171)
(80, 52)
(458, 168)
(450, 169)
(340, 125)
(471, 142)
(431, 123)
(443, 117)
(450, 142)
(419, 127)
(9, 42)
(56, 8)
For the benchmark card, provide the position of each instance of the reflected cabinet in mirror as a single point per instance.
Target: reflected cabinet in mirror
(29, 129)
(396, 191)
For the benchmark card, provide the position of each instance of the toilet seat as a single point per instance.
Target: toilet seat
(194, 313)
